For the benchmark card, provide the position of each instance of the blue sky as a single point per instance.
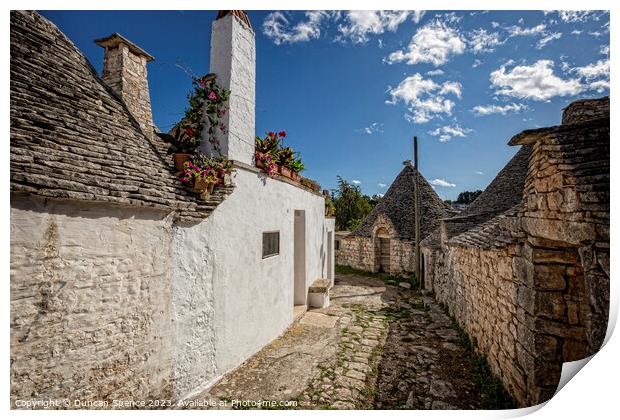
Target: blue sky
(352, 88)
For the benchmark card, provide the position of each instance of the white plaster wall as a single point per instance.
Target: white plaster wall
(233, 60)
(90, 312)
(251, 297)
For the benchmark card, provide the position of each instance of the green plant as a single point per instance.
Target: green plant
(285, 157)
(207, 98)
(267, 145)
(297, 165)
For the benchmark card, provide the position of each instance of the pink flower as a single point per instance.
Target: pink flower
(212, 96)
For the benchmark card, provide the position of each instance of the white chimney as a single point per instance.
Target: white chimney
(233, 61)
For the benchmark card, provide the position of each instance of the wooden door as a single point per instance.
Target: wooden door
(384, 255)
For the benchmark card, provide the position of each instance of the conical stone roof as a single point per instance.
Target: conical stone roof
(398, 206)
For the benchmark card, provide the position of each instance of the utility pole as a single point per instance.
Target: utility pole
(416, 208)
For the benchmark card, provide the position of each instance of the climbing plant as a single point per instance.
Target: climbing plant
(207, 99)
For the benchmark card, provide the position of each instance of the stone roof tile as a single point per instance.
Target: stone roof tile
(398, 206)
(73, 138)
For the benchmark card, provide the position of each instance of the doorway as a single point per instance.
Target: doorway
(299, 258)
(382, 251)
(330, 257)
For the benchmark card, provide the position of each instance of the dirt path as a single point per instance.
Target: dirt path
(377, 346)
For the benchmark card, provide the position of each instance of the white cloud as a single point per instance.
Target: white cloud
(442, 183)
(362, 23)
(425, 98)
(604, 50)
(482, 41)
(476, 63)
(576, 32)
(600, 85)
(436, 72)
(495, 24)
(479, 172)
(356, 181)
(591, 72)
(535, 82)
(481, 110)
(595, 34)
(373, 128)
(519, 31)
(547, 39)
(433, 43)
(594, 70)
(417, 15)
(278, 28)
(570, 16)
(446, 133)
(382, 185)
(454, 88)
(451, 17)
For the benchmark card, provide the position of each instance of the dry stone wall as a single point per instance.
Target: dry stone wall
(480, 290)
(531, 286)
(362, 252)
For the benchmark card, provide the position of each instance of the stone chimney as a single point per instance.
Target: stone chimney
(233, 61)
(124, 70)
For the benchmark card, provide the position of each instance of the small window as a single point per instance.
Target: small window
(271, 244)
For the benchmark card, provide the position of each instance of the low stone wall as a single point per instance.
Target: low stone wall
(360, 252)
(524, 307)
(357, 252)
(480, 290)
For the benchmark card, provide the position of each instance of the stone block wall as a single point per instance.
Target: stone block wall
(567, 209)
(542, 298)
(361, 252)
(357, 252)
(480, 290)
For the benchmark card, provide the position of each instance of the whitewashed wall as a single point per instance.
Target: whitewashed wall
(116, 301)
(90, 301)
(240, 301)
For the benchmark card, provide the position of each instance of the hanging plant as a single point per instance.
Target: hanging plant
(207, 100)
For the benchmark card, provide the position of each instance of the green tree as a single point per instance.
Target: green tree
(351, 205)
(467, 197)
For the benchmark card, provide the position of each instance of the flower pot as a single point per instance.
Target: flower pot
(211, 187)
(180, 159)
(260, 164)
(295, 176)
(285, 172)
(200, 185)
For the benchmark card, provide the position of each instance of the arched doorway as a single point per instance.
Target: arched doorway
(382, 250)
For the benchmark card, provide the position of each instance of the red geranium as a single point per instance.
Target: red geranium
(189, 131)
(282, 134)
(271, 134)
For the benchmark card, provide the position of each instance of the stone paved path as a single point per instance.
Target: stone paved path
(376, 346)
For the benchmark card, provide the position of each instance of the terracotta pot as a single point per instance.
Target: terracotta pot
(180, 159)
(296, 177)
(285, 172)
(200, 185)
